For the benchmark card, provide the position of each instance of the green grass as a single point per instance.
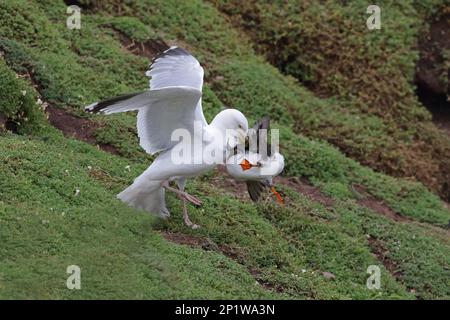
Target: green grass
(45, 226)
(18, 103)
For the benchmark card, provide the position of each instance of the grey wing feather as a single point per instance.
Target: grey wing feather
(160, 112)
(175, 67)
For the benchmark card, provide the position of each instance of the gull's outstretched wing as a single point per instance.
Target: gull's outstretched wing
(177, 67)
(173, 101)
(160, 112)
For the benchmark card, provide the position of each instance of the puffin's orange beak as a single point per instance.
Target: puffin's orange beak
(279, 198)
(246, 165)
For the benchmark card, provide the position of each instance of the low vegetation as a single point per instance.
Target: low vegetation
(358, 191)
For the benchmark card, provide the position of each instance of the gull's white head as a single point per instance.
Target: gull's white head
(233, 123)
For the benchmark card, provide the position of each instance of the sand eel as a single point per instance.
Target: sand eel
(173, 102)
(257, 167)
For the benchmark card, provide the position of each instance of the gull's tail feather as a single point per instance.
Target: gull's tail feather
(147, 195)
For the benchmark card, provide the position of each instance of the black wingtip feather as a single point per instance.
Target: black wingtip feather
(100, 106)
(174, 51)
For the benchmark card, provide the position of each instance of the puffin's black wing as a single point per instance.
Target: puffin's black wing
(263, 123)
(256, 135)
(254, 189)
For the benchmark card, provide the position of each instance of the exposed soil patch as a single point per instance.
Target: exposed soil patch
(377, 205)
(447, 205)
(203, 243)
(90, 6)
(78, 128)
(303, 186)
(186, 239)
(226, 182)
(228, 251)
(101, 175)
(149, 49)
(382, 253)
(264, 283)
(70, 125)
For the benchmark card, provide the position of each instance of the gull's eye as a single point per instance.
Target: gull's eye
(240, 126)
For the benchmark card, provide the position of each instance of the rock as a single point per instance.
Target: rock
(328, 275)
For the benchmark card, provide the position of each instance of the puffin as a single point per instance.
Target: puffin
(257, 164)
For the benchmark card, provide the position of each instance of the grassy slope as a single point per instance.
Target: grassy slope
(287, 247)
(370, 73)
(46, 227)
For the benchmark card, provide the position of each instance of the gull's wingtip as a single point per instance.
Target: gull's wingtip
(172, 51)
(171, 48)
(91, 107)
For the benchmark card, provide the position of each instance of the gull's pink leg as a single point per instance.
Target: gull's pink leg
(184, 197)
(183, 194)
(186, 219)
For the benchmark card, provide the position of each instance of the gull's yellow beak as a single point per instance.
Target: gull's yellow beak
(236, 137)
(242, 135)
